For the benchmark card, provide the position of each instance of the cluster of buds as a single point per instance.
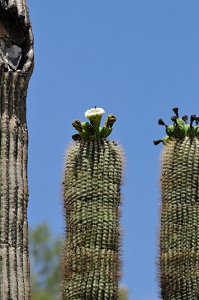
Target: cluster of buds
(180, 128)
(92, 131)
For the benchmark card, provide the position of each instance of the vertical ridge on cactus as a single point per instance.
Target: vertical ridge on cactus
(16, 66)
(91, 264)
(179, 239)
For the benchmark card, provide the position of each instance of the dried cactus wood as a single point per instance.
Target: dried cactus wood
(91, 264)
(16, 66)
(179, 238)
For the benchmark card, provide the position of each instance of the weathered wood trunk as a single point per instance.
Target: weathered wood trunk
(16, 66)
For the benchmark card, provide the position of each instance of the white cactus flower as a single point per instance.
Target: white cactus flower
(94, 112)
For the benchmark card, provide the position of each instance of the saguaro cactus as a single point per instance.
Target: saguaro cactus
(92, 199)
(179, 231)
(16, 65)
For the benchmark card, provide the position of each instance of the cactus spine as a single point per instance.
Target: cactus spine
(92, 198)
(179, 231)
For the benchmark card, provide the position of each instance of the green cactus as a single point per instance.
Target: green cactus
(92, 199)
(179, 231)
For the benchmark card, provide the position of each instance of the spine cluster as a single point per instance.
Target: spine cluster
(92, 199)
(179, 238)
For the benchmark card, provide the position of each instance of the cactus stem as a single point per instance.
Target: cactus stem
(174, 119)
(192, 119)
(178, 236)
(156, 142)
(175, 110)
(197, 120)
(161, 122)
(92, 206)
(185, 118)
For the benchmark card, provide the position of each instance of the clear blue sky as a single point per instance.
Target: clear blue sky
(135, 59)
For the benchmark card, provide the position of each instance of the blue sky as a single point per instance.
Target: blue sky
(135, 59)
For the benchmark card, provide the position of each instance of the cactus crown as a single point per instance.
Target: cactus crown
(180, 129)
(93, 131)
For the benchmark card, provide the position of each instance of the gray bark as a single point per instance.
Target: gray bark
(16, 66)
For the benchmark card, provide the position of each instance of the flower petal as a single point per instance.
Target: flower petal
(94, 112)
